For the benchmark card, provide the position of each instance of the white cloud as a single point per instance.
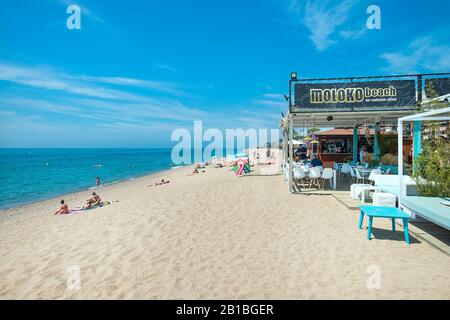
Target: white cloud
(322, 18)
(113, 102)
(353, 34)
(161, 86)
(272, 100)
(422, 54)
(166, 67)
(46, 78)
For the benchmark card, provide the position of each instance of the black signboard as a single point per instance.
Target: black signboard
(370, 95)
(437, 87)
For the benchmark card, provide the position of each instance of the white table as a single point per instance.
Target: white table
(365, 172)
(364, 189)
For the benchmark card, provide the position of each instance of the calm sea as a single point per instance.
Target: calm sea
(28, 175)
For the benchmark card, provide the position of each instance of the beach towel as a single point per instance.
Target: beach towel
(80, 209)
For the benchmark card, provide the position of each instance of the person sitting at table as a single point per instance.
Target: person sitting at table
(315, 161)
(297, 152)
(303, 152)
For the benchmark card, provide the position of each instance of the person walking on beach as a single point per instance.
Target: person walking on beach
(97, 182)
(64, 208)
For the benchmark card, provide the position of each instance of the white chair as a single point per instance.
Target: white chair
(352, 174)
(384, 199)
(286, 171)
(372, 175)
(336, 167)
(345, 170)
(358, 176)
(360, 191)
(300, 175)
(314, 176)
(327, 174)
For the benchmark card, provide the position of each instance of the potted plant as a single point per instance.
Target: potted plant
(432, 169)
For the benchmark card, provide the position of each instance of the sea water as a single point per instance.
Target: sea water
(28, 175)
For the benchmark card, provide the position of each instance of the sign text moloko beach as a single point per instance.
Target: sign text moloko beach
(375, 95)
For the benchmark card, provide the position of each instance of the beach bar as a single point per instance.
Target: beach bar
(351, 103)
(336, 145)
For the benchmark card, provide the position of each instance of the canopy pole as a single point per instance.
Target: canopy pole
(355, 144)
(376, 146)
(285, 150)
(400, 160)
(291, 151)
(417, 141)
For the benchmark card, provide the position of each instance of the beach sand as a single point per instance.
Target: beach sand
(210, 236)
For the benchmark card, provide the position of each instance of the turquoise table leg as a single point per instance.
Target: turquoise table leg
(393, 224)
(405, 228)
(361, 218)
(369, 232)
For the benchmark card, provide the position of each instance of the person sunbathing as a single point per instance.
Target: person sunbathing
(63, 210)
(160, 183)
(94, 201)
(194, 172)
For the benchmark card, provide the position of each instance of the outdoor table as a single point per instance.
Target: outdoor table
(364, 188)
(365, 172)
(383, 212)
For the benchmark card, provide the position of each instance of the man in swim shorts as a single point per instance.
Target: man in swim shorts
(94, 201)
(64, 208)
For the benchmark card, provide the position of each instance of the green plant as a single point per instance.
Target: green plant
(433, 103)
(387, 143)
(432, 169)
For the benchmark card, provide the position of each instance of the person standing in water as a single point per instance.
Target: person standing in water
(97, 182)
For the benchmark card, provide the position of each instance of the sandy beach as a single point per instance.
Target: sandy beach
(209, 236)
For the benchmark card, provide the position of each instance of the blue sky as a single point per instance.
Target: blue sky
(139, 69)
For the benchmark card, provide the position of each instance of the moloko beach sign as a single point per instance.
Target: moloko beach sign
(373, 95)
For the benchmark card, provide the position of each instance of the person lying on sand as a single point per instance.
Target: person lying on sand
(160, 183)
(194, 172)
(94, 201)
(199, 165)
(64, 208)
